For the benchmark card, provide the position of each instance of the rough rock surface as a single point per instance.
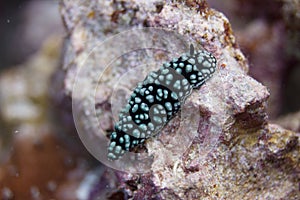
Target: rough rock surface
(237, 154)
(290, 121)
(264, 43)
(268, 35)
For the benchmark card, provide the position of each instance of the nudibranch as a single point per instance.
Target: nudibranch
(158, 98)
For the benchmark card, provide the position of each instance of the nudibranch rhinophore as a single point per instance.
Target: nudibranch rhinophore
(158, 98)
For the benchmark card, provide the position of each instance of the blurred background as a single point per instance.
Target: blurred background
(24, 26)
(36, 164)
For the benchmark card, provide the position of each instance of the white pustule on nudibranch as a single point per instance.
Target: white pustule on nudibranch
(158, 98)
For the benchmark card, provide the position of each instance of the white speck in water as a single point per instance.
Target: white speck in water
(68, 161)
(51, 185)
(35, 192)
(8, 21)
(7, 193)
(16, 131)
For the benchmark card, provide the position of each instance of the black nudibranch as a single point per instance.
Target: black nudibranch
(158, 98)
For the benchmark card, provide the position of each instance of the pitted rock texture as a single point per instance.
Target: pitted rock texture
(236, 153)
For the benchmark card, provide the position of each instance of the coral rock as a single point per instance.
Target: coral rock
(235, 154)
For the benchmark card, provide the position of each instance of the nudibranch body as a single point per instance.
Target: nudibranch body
(158, 98)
